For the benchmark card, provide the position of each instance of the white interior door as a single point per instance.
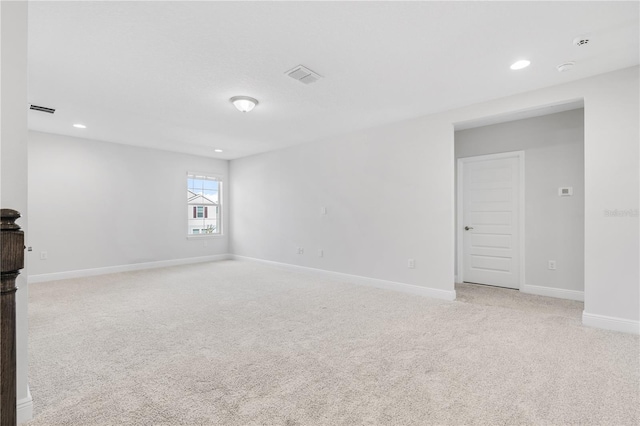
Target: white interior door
(490, 220)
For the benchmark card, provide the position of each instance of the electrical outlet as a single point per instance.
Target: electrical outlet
(320, 253)
(44, 255)
(323, 210)
(300, 250)
(552, 265)
(411, 263)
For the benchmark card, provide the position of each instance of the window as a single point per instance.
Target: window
(204, 198)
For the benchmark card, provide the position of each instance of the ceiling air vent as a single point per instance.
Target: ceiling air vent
(42, 109)
(303, 74)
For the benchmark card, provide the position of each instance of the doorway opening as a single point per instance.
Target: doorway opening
(520, 201)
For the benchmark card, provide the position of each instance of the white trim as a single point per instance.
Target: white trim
(455, 279)
(559, 293)
(521, 205)
(204, 236)
(435, 293)
(24, 408)
(124, 268)
(611, 323)
(216, 175)
(521, 114)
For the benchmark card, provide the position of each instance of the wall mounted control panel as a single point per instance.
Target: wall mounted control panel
(565, 191)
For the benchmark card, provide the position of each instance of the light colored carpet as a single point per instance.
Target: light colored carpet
(240, 343)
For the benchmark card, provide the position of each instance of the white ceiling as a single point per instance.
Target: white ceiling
(160, 74)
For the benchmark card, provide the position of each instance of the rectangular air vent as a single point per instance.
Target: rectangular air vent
(303, 74)
(42, 109)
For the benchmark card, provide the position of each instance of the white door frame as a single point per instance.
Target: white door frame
(459, 207)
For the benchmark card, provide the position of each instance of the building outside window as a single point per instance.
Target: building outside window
(204, 201)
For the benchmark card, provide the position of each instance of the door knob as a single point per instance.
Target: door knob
(466, 228)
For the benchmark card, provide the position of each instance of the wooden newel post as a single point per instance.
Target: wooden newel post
(11, 261)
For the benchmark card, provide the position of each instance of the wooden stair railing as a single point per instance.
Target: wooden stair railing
(11, 261)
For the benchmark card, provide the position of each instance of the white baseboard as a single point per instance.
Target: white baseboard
(553, 292)
(611, 323)
(357, 279)
(24, 408)
(124, 268)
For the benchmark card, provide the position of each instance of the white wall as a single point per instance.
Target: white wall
(95, 204)
(13, 155)
(390, 196)
(554, 157)
(381, 203)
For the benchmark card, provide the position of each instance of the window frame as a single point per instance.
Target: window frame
(220, 216)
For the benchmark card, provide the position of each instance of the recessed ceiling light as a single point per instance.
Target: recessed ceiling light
(217, 150)
(520, 64)
(79, 126)
(244, 103)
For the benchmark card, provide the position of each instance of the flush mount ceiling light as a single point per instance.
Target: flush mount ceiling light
(217, 150)
(244, 103)
(79, 126)
(520, 64)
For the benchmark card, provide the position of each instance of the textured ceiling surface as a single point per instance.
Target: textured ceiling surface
(160, 74)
